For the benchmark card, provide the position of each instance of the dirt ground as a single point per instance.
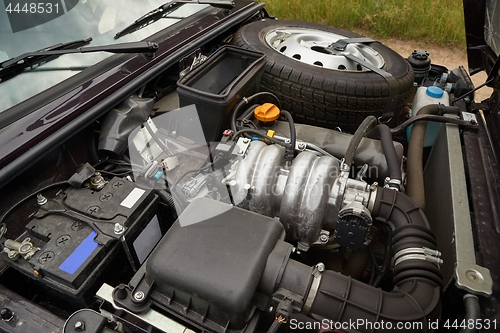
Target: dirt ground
(448, 57)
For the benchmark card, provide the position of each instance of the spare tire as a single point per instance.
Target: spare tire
(323, 88)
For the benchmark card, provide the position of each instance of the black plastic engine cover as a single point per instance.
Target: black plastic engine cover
(209, 264)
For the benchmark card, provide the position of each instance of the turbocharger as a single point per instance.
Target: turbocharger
(313, 197)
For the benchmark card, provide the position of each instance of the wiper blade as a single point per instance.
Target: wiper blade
(167, 8)
(14, 66)
(29, 60)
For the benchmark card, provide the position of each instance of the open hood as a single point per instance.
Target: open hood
(482, 27)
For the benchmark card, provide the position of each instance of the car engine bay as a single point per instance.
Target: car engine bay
(212, 201)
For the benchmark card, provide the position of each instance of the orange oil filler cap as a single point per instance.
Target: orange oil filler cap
(267, 112)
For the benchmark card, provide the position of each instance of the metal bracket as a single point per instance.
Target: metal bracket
(341, 44)
(24, 249)
(105, 229)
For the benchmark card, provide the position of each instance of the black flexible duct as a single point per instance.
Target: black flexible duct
(415, 300)
(384, 132)
(365, 126)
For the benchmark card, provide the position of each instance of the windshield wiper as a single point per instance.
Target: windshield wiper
(167, 8)
(14, 66)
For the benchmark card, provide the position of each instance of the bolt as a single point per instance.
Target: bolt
(139, 296)
(40, 199)
(301, 146)
(79, 326)
(174, 133)
(270, 309)
(6, 314)
(321, 267)
(118, 228)
(473, 122)
(245, 140)
(323, 238)
(240, 152)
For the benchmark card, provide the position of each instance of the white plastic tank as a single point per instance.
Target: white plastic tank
(423, 97)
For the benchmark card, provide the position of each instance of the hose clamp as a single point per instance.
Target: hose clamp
(418, 253)
(392, 184)
(313, 291)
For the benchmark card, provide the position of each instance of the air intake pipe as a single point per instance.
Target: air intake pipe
(414, 304)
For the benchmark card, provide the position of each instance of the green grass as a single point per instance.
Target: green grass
(436, 21)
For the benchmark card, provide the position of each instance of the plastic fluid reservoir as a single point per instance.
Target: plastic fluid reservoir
(423, 97)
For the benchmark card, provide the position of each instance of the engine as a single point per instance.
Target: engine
(228, 214)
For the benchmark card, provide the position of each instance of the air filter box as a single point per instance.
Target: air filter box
(79, 232)
(207, 266)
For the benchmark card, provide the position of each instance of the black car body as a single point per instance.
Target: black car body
(203, 183)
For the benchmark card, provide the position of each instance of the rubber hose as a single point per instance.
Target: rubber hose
(472, 313)
(389, 150)
(365, 126)
(416, 296)
(414, 165)
(94, 154)
(430, 117)
(290, 151)
(275, 326)
(247, 100)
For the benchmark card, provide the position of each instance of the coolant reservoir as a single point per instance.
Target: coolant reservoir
(423, 97)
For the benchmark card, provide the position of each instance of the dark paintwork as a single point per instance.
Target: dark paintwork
(21, 135)
(474, 31)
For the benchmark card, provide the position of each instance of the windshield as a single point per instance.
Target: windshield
(31, 28)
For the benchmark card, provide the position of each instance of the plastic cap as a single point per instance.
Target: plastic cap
(267, 112)
(434, 92)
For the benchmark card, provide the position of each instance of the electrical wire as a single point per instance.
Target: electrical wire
(290, 150)
(247, 100)
(23, 200)
(262, 135)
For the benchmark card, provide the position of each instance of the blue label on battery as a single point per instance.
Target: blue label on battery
(79, 255)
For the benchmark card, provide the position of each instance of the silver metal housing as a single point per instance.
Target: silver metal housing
(306, 196)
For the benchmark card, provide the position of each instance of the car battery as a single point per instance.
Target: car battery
(73, 237)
